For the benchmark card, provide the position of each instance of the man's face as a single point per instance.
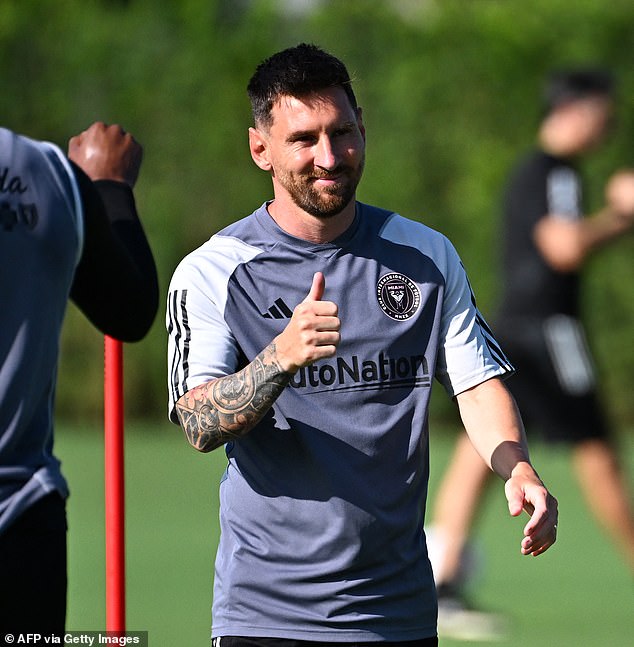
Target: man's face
(594, 118)
(316, 151)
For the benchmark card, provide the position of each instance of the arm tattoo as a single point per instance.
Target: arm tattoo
(229, 407)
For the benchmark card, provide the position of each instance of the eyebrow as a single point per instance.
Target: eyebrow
(301, 134)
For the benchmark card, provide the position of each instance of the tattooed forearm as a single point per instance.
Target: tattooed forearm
(229, 407)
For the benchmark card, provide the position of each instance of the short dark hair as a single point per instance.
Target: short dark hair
(564, 86)
(296, 72)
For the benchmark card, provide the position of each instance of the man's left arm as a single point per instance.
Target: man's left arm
(495, 428)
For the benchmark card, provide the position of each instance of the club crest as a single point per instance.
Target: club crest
(398, 296)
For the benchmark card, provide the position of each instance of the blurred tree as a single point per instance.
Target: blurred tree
(449, 90)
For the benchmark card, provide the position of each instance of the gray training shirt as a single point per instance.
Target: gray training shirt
(323, 502)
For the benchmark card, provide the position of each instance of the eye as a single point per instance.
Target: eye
(342, 132)
(302, 138)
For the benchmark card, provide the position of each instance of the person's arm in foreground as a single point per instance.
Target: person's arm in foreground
(115, 284)
(221, 410)
(493, 423)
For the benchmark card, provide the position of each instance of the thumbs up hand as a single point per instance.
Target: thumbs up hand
(313, 331)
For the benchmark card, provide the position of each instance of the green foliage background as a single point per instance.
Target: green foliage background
(450, 94)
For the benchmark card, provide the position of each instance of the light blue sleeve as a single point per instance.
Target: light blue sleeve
(468, 353)
(201, 346)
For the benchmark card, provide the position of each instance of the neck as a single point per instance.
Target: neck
(299, 223)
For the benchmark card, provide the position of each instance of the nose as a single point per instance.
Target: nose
(325, 155)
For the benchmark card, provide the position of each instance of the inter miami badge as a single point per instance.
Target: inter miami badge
(398, 296)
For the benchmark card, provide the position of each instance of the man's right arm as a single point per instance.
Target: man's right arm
(227, 408)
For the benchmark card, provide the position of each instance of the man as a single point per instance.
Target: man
(304, 338)
(546, 242)
(64, 232)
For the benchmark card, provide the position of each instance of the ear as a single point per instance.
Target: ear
(360, 122)
(259, 149)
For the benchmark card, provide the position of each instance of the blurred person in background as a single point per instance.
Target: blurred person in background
(69, 229)
(546, 240)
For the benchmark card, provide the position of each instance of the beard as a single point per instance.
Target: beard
(327, 201)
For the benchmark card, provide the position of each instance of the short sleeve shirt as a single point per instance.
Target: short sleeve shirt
(540, 185)
(323, 502)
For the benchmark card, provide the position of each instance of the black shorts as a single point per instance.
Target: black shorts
(237, 641)
(33, 570)
(554, 385)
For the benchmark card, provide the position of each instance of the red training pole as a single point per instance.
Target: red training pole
(114, 485)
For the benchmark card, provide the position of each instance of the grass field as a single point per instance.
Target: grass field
(577, 595)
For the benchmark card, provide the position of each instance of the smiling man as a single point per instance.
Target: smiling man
(304, 339)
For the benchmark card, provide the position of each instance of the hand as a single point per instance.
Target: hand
(527, 492)
(107, 153)
(619, 194)
(313, 331)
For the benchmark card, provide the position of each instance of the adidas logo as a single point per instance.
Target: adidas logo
(278, 311)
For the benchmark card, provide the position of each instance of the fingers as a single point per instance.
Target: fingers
(540, 533)
(516, 504)
(620, 192)
(316, 324)
(313, 331)
(317, 288)
(94, 134)
(107, 152)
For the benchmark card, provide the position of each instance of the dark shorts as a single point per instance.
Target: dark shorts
(555, 384)
(33, 570)
(236, 641)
